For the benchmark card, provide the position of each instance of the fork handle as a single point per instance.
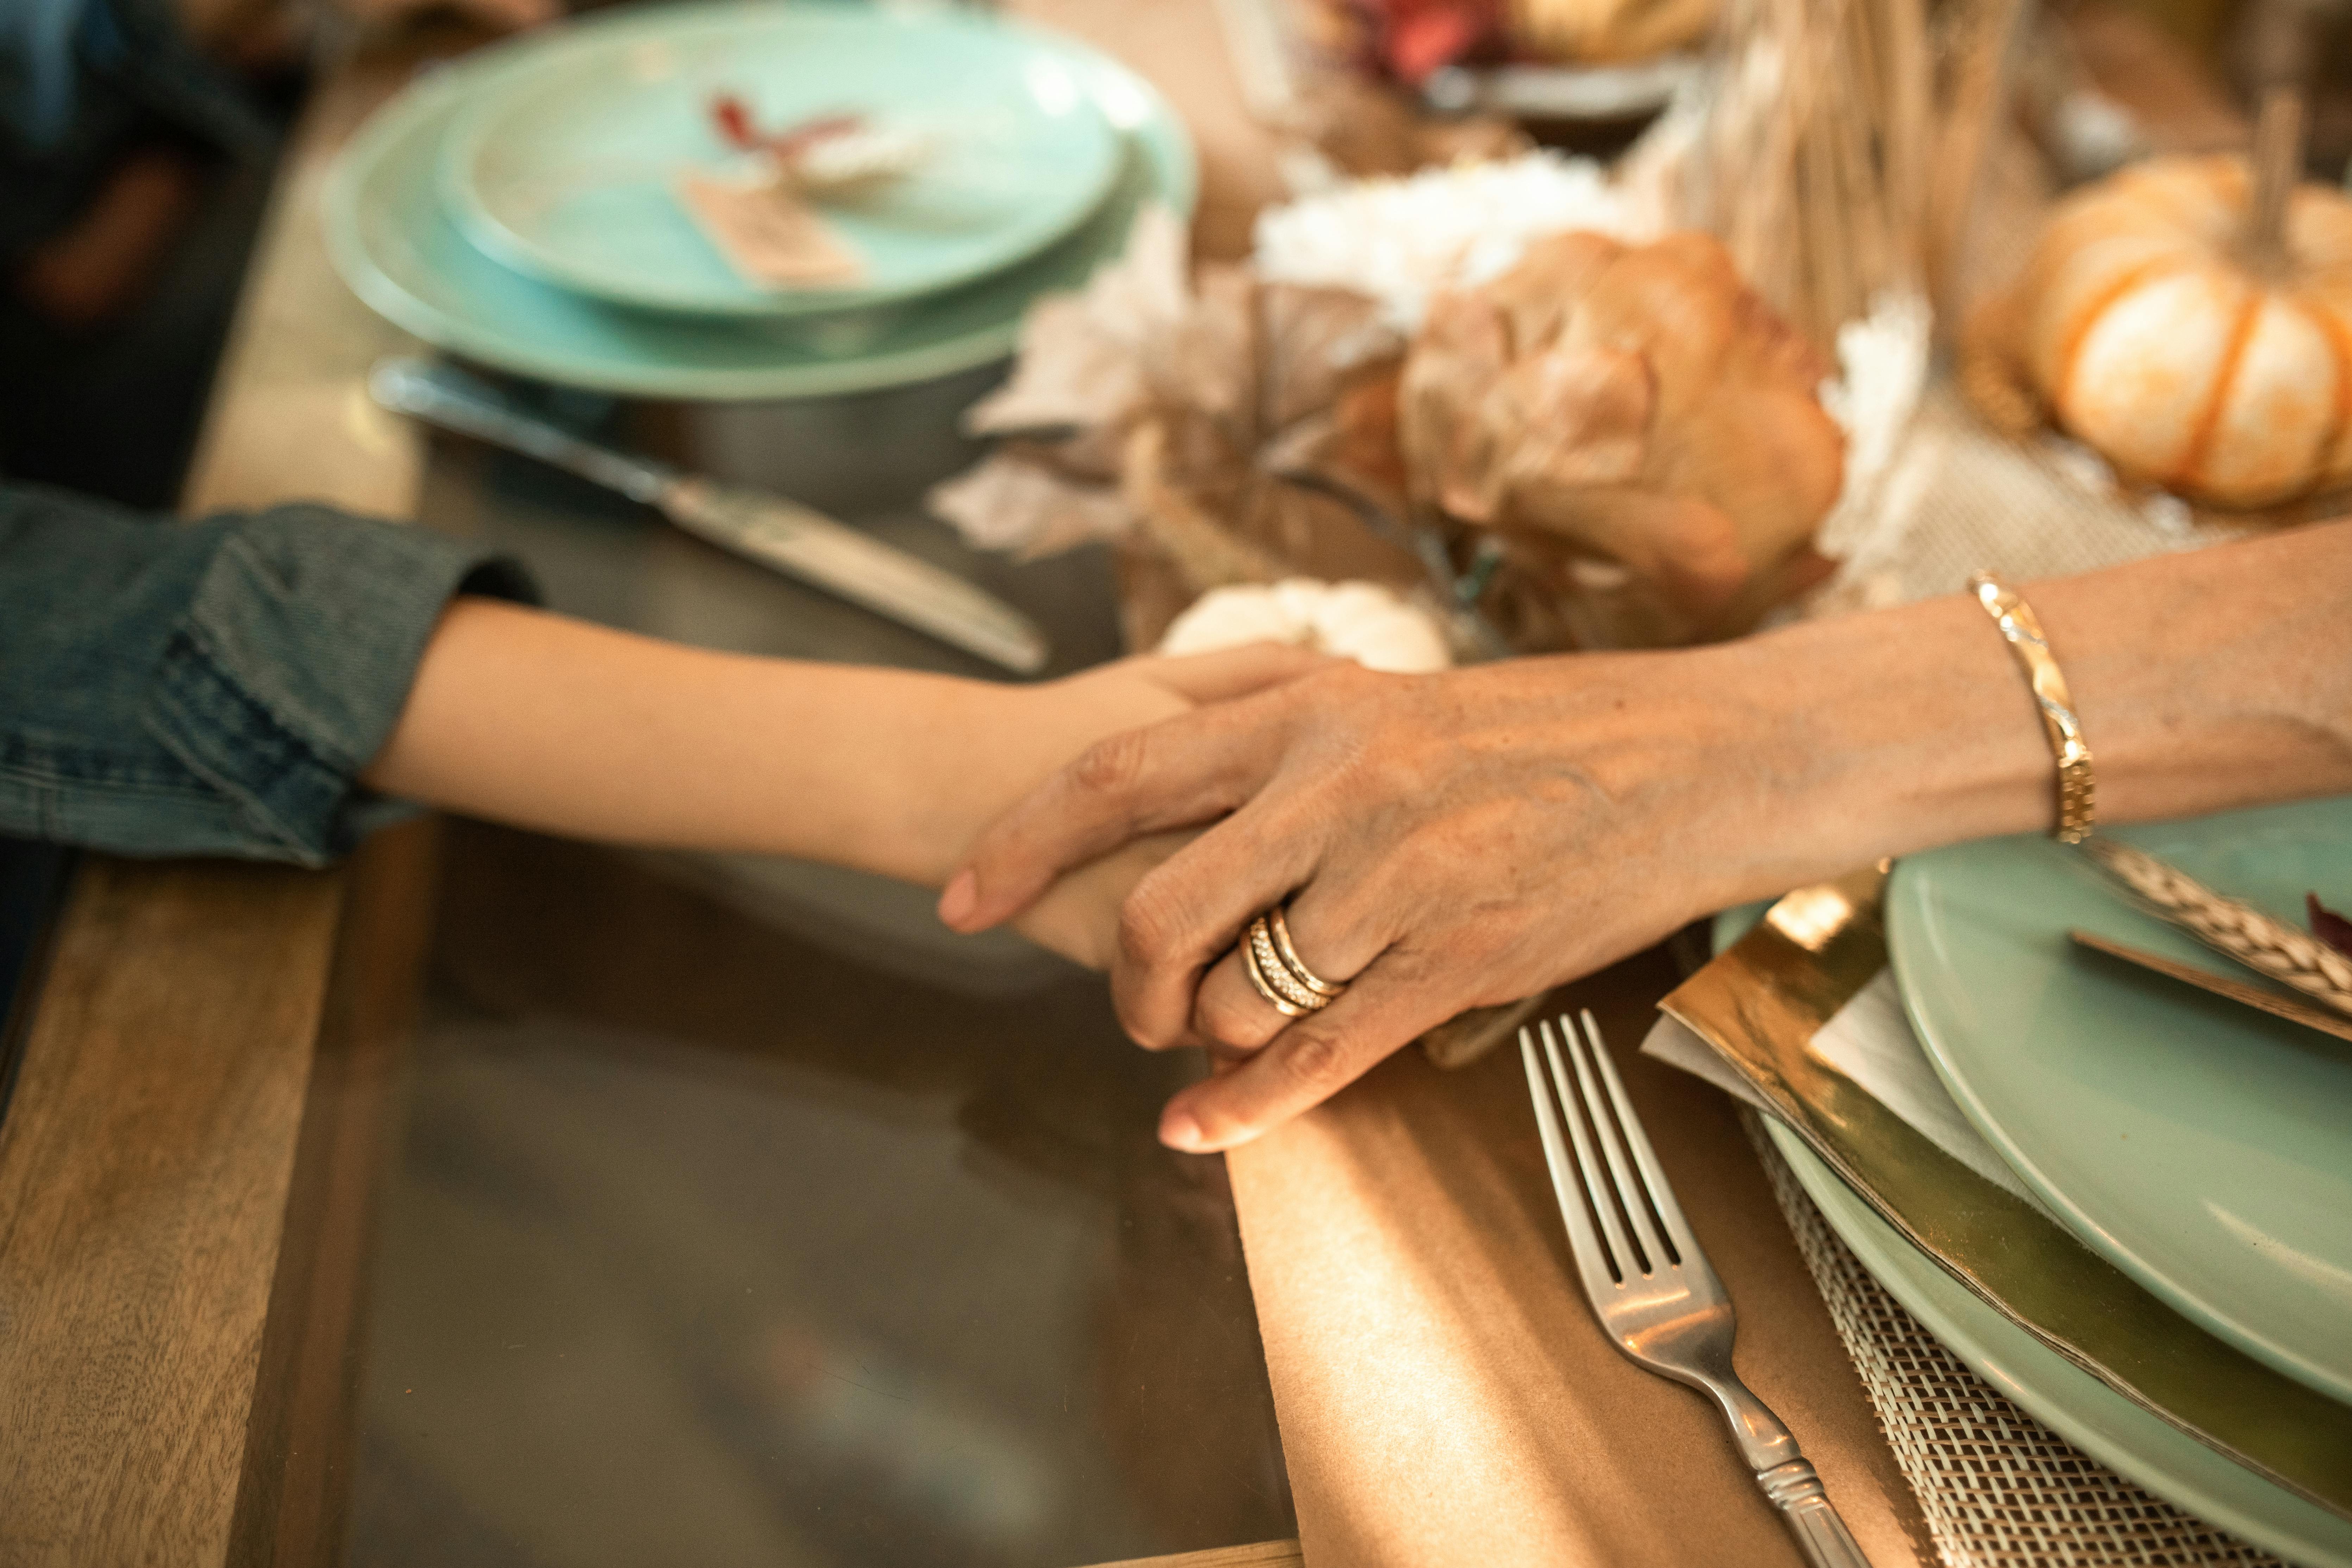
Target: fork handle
(1813, 1518)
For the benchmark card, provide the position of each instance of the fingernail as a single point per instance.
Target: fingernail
(962, 895)
(1178, 1130)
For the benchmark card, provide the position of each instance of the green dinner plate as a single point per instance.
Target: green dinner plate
(2128, 1440)
(2203, 1147)
(395, 243)
(563, 165)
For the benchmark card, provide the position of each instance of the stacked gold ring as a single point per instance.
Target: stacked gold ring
(1281, 976)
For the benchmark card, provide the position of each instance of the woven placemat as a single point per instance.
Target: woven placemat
(1958, 499)
(1997, 1487)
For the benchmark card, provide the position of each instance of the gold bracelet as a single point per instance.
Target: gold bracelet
(2076, 806)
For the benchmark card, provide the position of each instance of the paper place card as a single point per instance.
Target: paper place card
(769, 235)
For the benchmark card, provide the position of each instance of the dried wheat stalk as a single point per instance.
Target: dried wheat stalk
(1813, 162)
(2241, 931)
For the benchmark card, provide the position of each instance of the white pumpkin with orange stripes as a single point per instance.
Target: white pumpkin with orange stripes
(2147, 326)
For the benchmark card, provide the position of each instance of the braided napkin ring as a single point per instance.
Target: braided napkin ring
(2270, 946)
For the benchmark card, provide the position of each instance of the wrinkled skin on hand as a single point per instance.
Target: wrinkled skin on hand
(1451, 840)
(1637, 406)
(1456, 840)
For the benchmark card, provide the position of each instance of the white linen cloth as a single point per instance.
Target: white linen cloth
(1871, 1042)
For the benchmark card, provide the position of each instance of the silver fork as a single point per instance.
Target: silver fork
(1650, 1284)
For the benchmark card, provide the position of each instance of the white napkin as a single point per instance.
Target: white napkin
(1870, 1041)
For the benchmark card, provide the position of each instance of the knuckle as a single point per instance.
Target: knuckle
(1334, 698)
(1317, 1059)
(1423, 861)
(1147, 928)
(1111, 765)
(1492, 932)
(1230, 1022)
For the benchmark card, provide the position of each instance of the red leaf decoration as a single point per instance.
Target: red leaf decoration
(2327, 925)
(1424, 40)
(733, 119)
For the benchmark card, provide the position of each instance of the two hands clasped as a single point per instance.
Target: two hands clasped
(1435, 843)
(1445, 842)
(1438, 842)
(1417, 828)
(1414, 830)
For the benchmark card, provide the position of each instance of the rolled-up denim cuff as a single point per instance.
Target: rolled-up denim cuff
(290, 666)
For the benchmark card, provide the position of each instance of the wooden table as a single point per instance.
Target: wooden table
(186, 1170)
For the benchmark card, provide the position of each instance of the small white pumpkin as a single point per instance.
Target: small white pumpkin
(2146, 327)
(1362, 621)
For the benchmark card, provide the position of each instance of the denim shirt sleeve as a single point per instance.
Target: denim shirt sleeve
(210, 687)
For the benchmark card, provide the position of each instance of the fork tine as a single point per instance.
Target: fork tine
(1624, 1260)
(1592, 1260)
(1680, 1243)
(1651, 1254)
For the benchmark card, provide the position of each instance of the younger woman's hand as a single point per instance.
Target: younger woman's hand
(1078, 916)
(1146, 687)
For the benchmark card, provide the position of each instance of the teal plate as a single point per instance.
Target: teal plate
(563, 166)
(2203, 1147)
(2139, 1446)
(395, 243)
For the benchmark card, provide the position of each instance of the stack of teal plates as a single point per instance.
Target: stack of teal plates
(2200, 1146)
(517, 208)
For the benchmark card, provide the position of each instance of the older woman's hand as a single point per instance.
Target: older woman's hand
(1443, 841)
(1448, 841)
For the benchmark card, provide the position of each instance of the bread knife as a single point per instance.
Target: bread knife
(793, 538)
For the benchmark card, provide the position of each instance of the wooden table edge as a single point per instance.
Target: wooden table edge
(141, 1428)
(247, 1420)
(174, 1186)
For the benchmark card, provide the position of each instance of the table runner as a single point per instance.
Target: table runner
(1445, 1395)
(1996, 1488)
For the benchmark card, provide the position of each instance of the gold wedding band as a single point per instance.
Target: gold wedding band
(1280, 976)
(1296, 964)
(1280, 1003)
